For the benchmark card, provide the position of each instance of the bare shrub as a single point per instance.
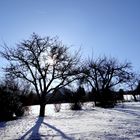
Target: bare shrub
(57, 107)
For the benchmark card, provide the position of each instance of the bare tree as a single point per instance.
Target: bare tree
(44, 62)
(104, 74)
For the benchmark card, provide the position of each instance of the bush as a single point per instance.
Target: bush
(57, 107)
(10, 104)
(76, 106)
(106, 104)
(105, 99)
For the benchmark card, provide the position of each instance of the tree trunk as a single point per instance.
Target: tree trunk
(42, 111)
(135, 99)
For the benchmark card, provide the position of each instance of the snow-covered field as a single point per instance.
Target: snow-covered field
(119, 123)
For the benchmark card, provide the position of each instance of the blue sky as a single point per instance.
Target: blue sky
(110, 27)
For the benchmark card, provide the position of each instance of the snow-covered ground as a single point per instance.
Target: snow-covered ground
(119, 123)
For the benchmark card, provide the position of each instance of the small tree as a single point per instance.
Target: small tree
(44, 62)
(77, 99)
(120, 95)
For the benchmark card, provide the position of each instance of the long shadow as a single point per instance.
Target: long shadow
(2, 124)
(59, 131)
(34, 130)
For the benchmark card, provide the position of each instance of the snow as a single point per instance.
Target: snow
(119, 123)
(131, 97)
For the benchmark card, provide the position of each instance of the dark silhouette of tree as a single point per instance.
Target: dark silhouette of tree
(120, 95)
(44, 62)
(77, 98)
(10, 102)
(138, 88)
(79, 94)
(135, 89)
(104, 74)
(134, 86)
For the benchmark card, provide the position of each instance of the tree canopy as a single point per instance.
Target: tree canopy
(106, 73)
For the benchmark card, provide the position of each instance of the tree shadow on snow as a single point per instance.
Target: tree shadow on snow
(33, 133)
(34, 130)
(64, 136)
(2, 124)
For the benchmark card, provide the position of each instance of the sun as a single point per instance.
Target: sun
(50, 61)
(46, 60)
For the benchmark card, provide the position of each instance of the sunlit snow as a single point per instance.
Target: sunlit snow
(91, 123)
